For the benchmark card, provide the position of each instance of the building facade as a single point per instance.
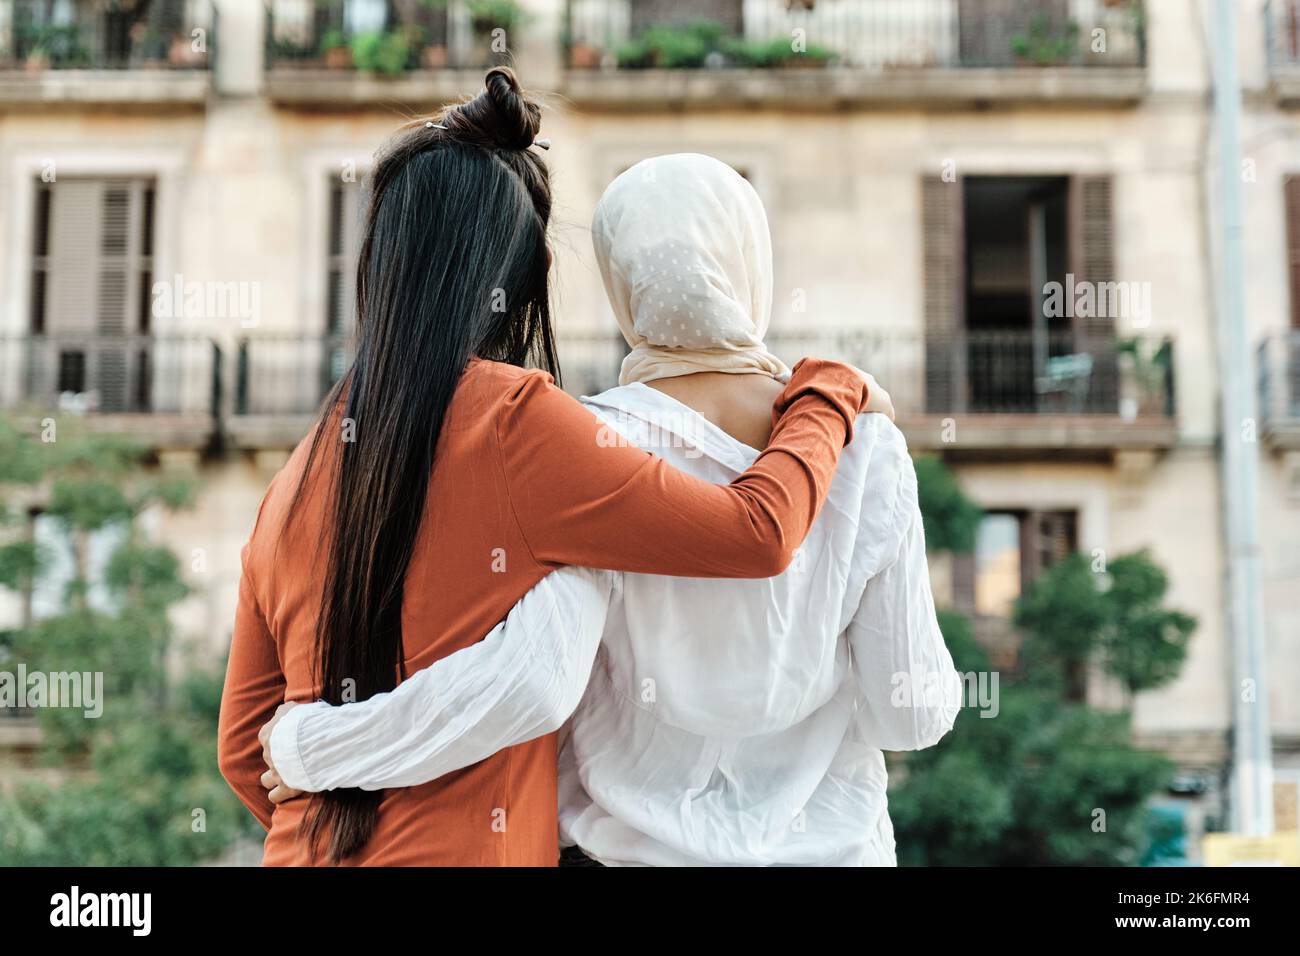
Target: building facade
(1004, 210)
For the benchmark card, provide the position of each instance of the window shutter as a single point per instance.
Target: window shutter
(1092, 259)
(347, 203)
(1291, 192)
(96, 276)
(943, 304)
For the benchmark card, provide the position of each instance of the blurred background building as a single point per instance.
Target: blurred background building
(181, 183)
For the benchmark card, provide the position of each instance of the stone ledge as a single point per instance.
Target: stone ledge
(1284, 83)
(343, 89)
(76, 87)
(831, 88)
(267, 432)
(1074, 435)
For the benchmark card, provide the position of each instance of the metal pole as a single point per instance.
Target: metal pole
(1252, 758)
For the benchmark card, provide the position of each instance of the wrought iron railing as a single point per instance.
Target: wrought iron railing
(110, 374)
(39, 35)
(865, 34)
(1282, 32)
(976, 373)
(1277, 370)
(284, 376)
(390, 37)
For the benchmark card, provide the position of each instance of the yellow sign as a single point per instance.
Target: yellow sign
(1230, 849)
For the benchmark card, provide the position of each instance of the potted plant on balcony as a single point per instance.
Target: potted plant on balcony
(184, 52)
(386, 52)
(335, 50)
(687, 47)
(1145, 376)
(1046, 42)
(583, 55)
(425, 25)
(486, 17)
(777, 53)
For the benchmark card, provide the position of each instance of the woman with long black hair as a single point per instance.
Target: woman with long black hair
(444, 479)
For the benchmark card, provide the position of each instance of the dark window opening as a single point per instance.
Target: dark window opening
(1016, 242)
(72, 371)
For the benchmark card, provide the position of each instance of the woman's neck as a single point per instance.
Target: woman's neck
(739, 404)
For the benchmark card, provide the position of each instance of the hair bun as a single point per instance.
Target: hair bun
(502, 116)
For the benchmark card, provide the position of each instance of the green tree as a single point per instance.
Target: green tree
(139, 784)
(950, 518)
(1047, 780)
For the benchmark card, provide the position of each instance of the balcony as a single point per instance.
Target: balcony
(1278, 372)
(123, 52)
(988, 394)
(671, 54)
(1001, 394)
(277, 384)
(165, 391)
(1282, 37)
(341, 53)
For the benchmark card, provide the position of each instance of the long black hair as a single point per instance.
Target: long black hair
(453, 265)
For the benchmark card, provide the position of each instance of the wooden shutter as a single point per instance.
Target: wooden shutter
(344, 245)
(347, 202)
(1045, 538)
(96, 276)
(943, 299)
(1092, 259)
(1291, 198)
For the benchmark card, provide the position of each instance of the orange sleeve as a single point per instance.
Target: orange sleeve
(254, 689)
(581, 499)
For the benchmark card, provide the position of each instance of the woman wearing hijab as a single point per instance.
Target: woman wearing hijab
(716, 722)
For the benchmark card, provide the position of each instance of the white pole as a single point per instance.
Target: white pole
(1252, 758)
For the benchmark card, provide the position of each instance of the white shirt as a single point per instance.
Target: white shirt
(723, 722)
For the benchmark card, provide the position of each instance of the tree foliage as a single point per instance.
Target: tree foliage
(139, 784)
(951, 519)
(1048, 780)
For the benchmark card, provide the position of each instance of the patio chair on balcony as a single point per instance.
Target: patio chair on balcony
(1065, 379)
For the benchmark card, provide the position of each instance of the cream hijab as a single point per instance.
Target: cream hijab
(685, 253)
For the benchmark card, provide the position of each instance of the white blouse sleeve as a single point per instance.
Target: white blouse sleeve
(909, 690)
(521, 681)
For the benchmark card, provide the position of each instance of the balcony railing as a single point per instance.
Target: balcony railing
(1277, 369)
(1282, 40)
(165, 388)
(263, 389)
(388, 38)
(873, 35)
(41, 35)
(979, 375)
(1282, 32)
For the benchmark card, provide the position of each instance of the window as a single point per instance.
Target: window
(1012, 548)
(997, 340)
(92, 273)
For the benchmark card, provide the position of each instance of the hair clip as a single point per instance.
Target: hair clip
(544, 143)
(432, 125)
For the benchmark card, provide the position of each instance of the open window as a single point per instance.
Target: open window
(996, 339)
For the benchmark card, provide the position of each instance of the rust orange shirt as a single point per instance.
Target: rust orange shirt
(525, 480)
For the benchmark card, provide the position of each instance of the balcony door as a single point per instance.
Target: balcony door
(997, 341)
(91, 302)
